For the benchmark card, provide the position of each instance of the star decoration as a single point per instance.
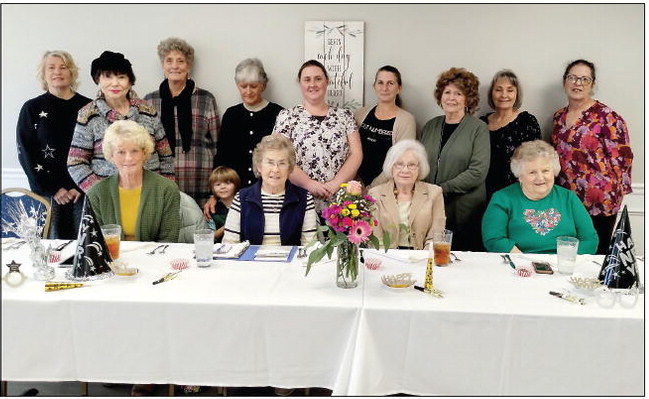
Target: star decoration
(43, 114)
(14, 267)
(48, 152)
(38, 167)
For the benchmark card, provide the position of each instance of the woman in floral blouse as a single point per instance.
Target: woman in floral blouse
(326, 140)
(593, 145)
(509, 127)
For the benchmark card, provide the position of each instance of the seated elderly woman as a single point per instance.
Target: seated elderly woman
(406, 200)
(529, 216)
(144, 203)
(273, 211)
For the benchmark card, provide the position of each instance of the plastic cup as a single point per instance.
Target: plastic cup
(113, 236)
(203, 246)
(567, 254)
(442, 247)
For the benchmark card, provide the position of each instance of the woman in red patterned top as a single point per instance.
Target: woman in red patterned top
(593, 145)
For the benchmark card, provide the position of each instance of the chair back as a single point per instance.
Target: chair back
(191, 218)
(15, 200)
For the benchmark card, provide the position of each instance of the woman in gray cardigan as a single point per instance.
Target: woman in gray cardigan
(458, 152)
(382, 125)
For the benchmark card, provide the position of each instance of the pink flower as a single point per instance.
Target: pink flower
(359, 232)
(354, 188)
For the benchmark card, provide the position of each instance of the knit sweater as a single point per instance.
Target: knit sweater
(241, 130)
(86, 162)
(158, 216)
(512, 219)
(461, 166)
(43, 137)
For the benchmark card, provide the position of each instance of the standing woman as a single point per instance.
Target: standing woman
(382, 125)
(593, 145)
(189, 116)
(115, 101)
(43, 137)
(327, 143)
(508, 126)
(245, 124)
(458, 153)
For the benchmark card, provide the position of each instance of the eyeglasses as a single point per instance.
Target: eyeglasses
(410, 166)
(273, 164)
(585, 80)
(607, 297)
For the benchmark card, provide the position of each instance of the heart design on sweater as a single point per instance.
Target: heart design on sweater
(542, 221)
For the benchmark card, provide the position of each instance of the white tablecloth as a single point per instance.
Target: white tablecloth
(257, 324)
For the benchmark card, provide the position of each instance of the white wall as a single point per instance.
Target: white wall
(422, 40)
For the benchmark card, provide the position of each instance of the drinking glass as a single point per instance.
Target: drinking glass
(567, 254)
(442, 247)
(203, 245)
(112, 235)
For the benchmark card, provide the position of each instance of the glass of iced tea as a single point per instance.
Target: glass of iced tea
(442, 247)
(112, 235)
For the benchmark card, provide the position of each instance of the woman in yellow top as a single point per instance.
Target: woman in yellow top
(145, 204)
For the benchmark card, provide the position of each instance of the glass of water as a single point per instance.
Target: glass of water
(203, 245)
(567, 254)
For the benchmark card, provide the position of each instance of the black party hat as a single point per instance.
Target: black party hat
(92, 256)
(620, 269)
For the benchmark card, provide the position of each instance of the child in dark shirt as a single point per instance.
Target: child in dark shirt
(225, 183)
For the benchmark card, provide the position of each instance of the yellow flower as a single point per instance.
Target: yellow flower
(344, 212)
(355, 213)
(351, 206)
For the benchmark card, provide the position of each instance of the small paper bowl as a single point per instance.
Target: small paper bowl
(523, 271)
(584, 285)
(373, 263)
(398, 281)
(179, 263)
(55, 257)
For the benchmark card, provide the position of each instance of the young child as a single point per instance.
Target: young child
(225, 182)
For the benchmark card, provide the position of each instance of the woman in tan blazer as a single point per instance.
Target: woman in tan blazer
(408, 209)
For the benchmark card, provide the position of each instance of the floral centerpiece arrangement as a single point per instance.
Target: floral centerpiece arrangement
(349, 223)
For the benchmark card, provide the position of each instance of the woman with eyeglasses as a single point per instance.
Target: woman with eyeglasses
(593, 145)
(406, 200)
(273, 211)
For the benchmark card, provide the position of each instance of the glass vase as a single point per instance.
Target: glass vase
(347, 265)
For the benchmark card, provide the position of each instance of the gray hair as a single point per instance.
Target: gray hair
(250, 70)
(513, 79)
(401, 147)
(123, 130)
(273, 142)
(176, 44)
(532, 150)
(67, 60)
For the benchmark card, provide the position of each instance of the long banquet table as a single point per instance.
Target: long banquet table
(240, 323)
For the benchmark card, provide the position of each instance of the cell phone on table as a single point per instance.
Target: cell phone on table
(542, 268)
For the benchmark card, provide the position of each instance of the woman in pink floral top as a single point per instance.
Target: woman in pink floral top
(593, 145)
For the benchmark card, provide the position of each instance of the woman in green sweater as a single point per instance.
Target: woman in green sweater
(458, 150)
(529, 216)
(145, 204)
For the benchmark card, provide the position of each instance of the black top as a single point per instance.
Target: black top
(241, 130)
(376, 139)
(44, 133)
(503, 143)
(447, 131)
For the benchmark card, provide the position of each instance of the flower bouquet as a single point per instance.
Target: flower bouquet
(349, 224)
